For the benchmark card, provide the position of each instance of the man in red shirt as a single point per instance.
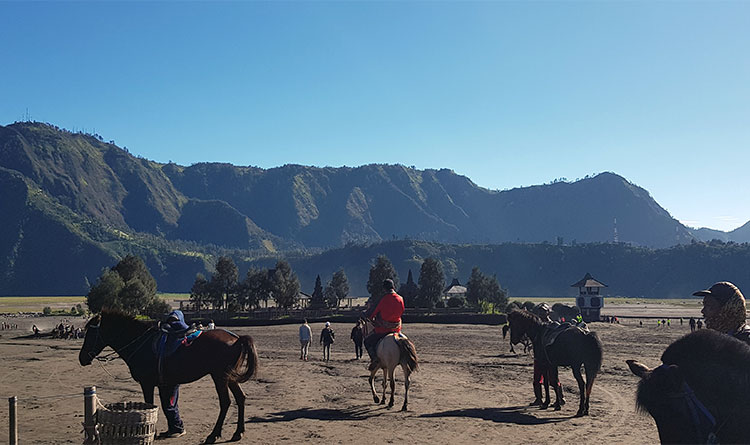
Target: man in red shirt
(386, 319)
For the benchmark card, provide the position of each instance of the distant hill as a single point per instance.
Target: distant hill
(738, 235)
(74, 203)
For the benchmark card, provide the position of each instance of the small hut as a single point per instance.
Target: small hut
(454, 290)
(589, 300)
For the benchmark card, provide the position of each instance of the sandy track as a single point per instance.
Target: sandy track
(469, 389)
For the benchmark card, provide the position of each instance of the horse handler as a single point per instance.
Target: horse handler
(386, 318)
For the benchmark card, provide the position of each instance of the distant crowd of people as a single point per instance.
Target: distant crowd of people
(5, 326)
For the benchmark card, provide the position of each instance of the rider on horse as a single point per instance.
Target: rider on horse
(386, 317)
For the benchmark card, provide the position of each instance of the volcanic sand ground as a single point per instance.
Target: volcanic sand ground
(469, 389)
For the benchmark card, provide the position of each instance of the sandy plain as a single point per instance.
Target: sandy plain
(470, 389)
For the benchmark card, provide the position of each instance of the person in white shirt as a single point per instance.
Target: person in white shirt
(305, 338)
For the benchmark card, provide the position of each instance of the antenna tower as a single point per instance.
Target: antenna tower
(616, 238)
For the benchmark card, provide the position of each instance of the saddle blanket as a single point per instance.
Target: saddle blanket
(167, 345)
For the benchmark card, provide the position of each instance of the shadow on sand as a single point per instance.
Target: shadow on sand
(511, 414)
(359, 413)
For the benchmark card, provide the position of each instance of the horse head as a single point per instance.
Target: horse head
(93, 343)
(679, 415)
(522, 323)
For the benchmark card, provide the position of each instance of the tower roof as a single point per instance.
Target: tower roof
(588, 281)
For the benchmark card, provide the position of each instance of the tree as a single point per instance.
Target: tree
(431, 282)
(337, 289)
(483, 289)
(104, 293)
(199, 293)
(254, 288)
(409, 291)
(317, 300)
(224, 283)
(129, 287)
(381, 270)
(284, 285)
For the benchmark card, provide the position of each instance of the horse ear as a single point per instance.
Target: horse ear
(638, 368)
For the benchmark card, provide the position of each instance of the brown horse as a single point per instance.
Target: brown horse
(229, 359)
(700, 392)
(572, 347)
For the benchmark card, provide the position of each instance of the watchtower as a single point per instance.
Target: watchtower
(589, 300)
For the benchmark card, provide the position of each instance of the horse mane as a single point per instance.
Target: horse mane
(523, 315)
(715, 365)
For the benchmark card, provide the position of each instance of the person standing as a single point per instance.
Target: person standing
(691, 322)
(305, 338)
(326, 339)
(358, 338)
(724, 310)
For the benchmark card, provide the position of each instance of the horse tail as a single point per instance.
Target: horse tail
(593, 360)
(408, 354)
(247, 364)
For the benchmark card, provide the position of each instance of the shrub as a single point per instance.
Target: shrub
(47, 310)
(455, 302)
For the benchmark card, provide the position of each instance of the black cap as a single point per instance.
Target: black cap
(388, 284)
(722, 291)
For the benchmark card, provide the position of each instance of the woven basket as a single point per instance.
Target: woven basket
(130, 423)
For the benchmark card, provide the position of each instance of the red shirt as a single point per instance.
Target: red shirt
(390, 309)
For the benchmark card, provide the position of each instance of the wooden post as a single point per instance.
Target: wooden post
(89, 411)
(13, 421)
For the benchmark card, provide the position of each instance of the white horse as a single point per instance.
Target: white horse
(393, 350)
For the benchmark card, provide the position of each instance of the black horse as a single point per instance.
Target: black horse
(700, 392)
(230, 360)
(572, 347)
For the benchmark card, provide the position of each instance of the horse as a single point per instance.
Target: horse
(393, 350)
(228, 358)
(700, 391)
(572, 347)
(527, 346)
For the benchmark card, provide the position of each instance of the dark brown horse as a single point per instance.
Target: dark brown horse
(572, 347)
(700, 392)
(230, 360)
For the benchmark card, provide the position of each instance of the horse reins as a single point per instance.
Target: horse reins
(106, 357)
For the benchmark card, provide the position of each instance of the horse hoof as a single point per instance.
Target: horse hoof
(382, 402)
(390, 405)
(376, 400)
(579, 414)
(236, 437)
(557, 407)
(211, 439)
(403, 409)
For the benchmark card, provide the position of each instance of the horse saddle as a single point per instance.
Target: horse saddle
(167, 343)
(554, 329)
(396, 336)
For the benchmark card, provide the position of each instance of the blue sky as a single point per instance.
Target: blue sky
(507, 93)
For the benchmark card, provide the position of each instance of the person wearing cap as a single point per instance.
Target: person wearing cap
(174, 329)
(724, 310)
(386, 318)
(326, 339)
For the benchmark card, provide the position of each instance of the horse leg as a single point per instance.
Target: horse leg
(148, 393)
(372, 386)
(222, 390)
(385, 385)
(407, 382)
(239, 397)
(581, 388)
(545, 404)
(554, 380)
(393, 385)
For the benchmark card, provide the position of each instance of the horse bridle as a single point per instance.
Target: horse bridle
(698, 411)
(107, 357)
